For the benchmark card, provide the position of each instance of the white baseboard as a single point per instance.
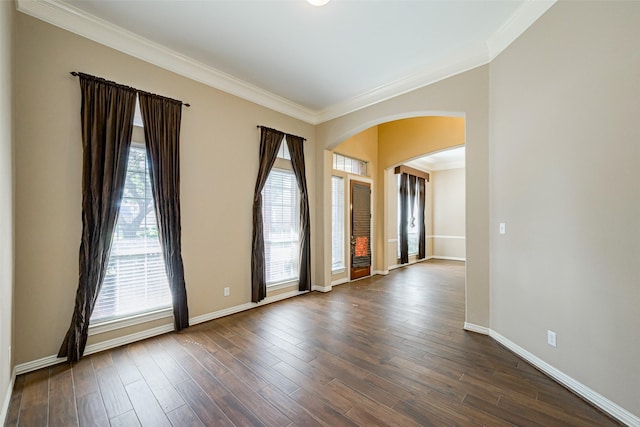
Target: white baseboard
(449, 258)
(45, 362)
(7, 399)
(339, 282)
(242, 307)
(319, 288)
(476, 328)
(577, 387)
(380, 272)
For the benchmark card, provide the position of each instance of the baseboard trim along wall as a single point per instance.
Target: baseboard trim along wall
(572, 384)
(7, 399)
(339, 281)
(577, 387)
(477, 329)
(149, 333)
(321, 288)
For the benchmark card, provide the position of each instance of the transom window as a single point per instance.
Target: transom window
(136, 280)
(348, 164)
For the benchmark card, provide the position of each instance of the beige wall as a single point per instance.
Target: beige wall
(448, 213)
(6, 200)
(465, 95)
(219, 154)
(565, 174)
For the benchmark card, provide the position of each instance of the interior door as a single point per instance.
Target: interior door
(360, 196)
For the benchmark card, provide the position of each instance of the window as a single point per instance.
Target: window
(347, 164)
(281, 221)
(337, 223)
(413, 227)
(136, 281)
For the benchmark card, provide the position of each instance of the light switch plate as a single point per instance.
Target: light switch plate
(503, 228)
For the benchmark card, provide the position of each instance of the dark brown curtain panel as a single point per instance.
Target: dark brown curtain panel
(270, 141)
(107, 123)
(296, 151)
(421, 231)
(404, 207)
(161, 118)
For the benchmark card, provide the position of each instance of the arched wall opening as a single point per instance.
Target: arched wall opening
(384, 145)
(464, 95)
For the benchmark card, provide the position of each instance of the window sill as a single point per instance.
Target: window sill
(282, 285)
(123, 322)
(338, 270)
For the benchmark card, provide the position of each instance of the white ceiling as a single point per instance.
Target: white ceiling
(448, 159)
(314, 63)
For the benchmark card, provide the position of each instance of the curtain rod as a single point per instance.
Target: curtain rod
(77, 73)
(276, 130)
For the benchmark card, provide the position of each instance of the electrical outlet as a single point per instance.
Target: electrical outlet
(226, 292)
(551, 338)
(503, 228)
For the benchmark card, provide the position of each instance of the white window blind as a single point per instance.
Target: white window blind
(281, 220)
(136, 281)
(337, 223)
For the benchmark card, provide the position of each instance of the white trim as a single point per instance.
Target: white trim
(442, 236)
(282, 285)
(77, 21)
(34, 365)
(319, 288)
(84, 24)
(127, 339)
(242, 307)
(476, 328)
(112, 325)
(338, 270)
(576, 386)
(411, 262)
(523, 18)
(339, 282)
(7, 399)
(148, 333)
(380, 272)
(454, 65)
(448, 258)
(394, 240)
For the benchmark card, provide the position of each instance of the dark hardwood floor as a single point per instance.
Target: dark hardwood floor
(380, 351)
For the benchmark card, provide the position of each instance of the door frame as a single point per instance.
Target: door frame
(365, 179)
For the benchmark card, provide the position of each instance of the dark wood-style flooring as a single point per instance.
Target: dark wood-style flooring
(380, 351)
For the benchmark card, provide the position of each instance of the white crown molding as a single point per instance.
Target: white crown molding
(523, 18)
(449, 165)
(86, 25)
(79, 22)
(465, 61)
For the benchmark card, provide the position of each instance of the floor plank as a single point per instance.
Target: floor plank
(387, 350)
